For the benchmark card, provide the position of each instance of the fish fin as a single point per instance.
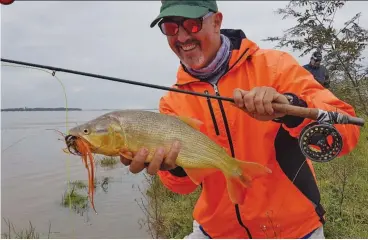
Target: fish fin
(66, 150)
(251, 170)
(198, 174)
(236, 190)
(126, 155)
(240, 177)
(194, 123)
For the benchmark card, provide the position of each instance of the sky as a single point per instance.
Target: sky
(111, 38)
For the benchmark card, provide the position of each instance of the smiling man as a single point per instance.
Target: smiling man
(284, 204)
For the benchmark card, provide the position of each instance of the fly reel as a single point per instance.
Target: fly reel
(320, 142)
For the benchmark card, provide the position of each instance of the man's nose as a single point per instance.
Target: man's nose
(183, 35)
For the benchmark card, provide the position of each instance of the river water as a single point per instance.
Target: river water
(34, 176)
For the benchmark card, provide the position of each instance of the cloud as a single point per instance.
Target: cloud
(111, 38)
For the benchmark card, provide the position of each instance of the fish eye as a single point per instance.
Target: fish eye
(85, 131)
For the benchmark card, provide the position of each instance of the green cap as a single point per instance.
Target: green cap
(185, 8)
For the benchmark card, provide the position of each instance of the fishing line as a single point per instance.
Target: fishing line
(53, 74)
(17, 141)
(283, 200)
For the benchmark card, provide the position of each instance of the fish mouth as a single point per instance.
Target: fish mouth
(71, 143)
(72, 147)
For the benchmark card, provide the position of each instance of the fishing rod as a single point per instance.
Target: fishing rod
(322, 127)
(310, 113)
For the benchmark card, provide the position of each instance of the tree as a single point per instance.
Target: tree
(342, 48)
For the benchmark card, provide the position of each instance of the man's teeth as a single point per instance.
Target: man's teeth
(188, 47)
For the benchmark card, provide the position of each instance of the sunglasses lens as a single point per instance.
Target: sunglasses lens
(169, 28)
(192, 25)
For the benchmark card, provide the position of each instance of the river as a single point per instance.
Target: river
(34, 176)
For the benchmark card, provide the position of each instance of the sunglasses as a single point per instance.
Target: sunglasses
(169, 27)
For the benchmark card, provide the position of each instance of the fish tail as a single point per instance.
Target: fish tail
(239, 176)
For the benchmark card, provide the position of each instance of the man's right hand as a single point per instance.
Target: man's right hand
(160, 160)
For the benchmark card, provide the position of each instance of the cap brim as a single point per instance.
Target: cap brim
(186, 11)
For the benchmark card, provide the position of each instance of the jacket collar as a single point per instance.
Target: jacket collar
(241, 49)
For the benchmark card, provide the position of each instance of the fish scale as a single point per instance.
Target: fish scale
(149, 129)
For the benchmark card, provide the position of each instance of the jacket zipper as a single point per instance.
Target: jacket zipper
(212, 114)
(238, 216)
(227, 131)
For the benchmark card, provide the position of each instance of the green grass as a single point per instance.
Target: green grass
(168, 215)
(108, 162)
(74, 198)
(77, 196)
(10, 231)
(343, 184)
(79, 184)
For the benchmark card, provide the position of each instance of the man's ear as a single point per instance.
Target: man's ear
(217, 21)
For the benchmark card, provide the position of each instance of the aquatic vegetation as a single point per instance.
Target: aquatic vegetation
(108, 162)
(10, 232)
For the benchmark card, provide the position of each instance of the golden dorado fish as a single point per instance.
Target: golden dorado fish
(132, 130)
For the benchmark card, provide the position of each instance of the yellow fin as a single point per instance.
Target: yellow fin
(250, 171)
(126, 155)
(240, 177)
(236, 190)
(194, 123)
(66, 150)
(198, 174)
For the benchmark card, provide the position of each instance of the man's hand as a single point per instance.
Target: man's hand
(257, 103)
(160, 160)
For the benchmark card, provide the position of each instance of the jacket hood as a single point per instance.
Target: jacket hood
(241, 49)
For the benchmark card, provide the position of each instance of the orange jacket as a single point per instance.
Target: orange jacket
(277, 206)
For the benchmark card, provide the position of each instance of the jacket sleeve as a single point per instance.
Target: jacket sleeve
(292, 78)
(176, 179)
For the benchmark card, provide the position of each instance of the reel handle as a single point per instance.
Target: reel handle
(355, 120)
(312, 113)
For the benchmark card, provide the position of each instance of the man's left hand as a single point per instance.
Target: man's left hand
(257, 103)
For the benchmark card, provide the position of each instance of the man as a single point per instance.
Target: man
(284, 204)
(319, 72)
